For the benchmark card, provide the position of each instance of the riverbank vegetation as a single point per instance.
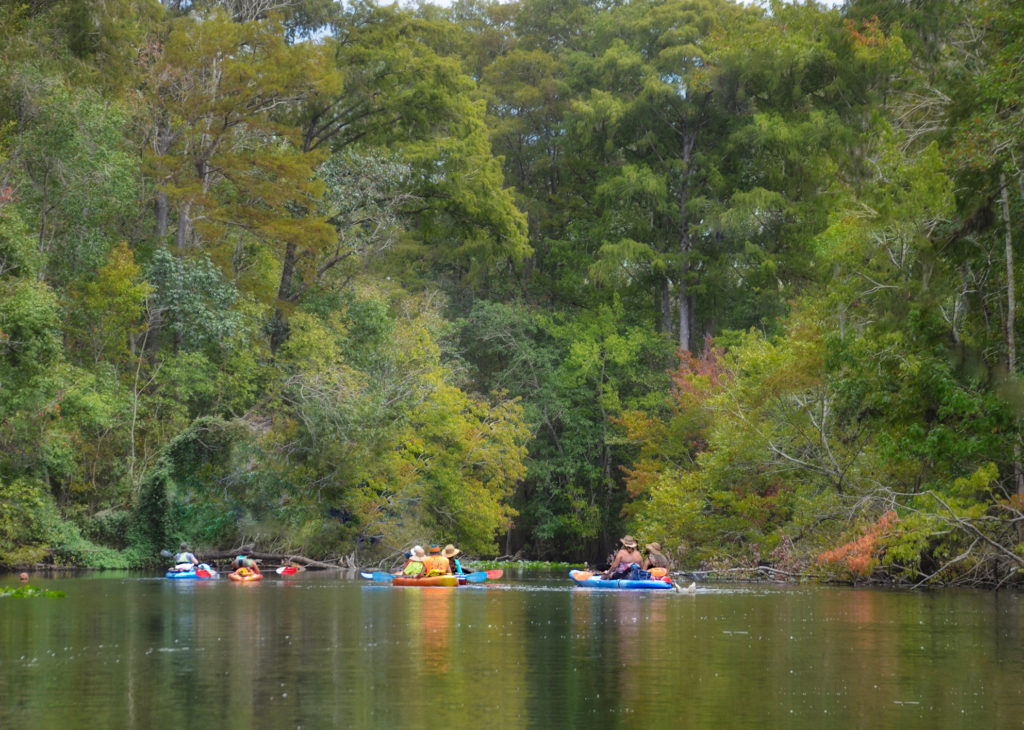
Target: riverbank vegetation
(336, 279)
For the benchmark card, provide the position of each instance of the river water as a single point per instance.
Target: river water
(330, 650)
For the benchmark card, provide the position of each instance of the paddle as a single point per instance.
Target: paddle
(495, 574)
(378, 575)
(290, 569)
(478, 577)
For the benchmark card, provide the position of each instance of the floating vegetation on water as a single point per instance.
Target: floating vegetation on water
(29, 591)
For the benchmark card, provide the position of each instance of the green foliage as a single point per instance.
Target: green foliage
(33, 531)
(25, 508)
(195, 300)
(77, 175)
(422, 279)
(151, 521)
(29, 591)
(29, 321)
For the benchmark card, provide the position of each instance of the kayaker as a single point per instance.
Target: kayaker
(414, 567)
(454, 566)
(627, 556)
(184, 561)
(436, 563)
(654, 557)
(242, 560)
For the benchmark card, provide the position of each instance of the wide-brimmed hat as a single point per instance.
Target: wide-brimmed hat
(435, 549)
(417, 553)
(653, 547)
(450, 551)
(628, 541)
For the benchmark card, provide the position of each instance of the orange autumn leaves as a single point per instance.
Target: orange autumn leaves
(860, 557)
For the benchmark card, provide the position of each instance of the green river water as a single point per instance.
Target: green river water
(330, 650)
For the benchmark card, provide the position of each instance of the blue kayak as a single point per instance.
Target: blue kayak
(591, 580)
(202, 572)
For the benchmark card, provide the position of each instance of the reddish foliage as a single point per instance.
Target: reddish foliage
(859, 556)
(868, 34)
(699, 377)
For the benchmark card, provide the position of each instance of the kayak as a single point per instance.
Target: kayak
(591, 580)
(437, 580)
(201, 572)
(434, 580)
(245, 575)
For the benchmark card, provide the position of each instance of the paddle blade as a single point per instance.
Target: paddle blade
(166, 554)
(478, 577)
(377, 575)
(287, 570)
(495, 574)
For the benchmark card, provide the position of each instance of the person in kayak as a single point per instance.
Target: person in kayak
(627, 557)
(242, 560)
(454, 566)
(184, 561)
(414, 567)
(436, 563)
(654, 558)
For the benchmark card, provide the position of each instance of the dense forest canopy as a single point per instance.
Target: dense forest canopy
(336, 278)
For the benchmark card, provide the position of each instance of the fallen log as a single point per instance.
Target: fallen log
(283, 558)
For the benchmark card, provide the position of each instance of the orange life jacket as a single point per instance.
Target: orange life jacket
(436, 565)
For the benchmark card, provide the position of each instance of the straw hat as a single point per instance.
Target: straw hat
(628, 541)
(417, 554)
(653, 547)
(450, 551)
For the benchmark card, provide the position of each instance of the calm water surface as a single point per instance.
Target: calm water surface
(333, 651)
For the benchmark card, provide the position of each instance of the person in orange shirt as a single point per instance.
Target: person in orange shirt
(436, 563)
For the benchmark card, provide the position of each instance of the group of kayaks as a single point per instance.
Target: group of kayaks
(659, 579)
(242, 575)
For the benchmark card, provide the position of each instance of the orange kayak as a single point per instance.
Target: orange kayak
(245, 575)
(435, 580)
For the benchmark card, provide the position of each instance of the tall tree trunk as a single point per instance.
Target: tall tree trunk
(183, 234)
(161, 211)
(279, 332)
(665, 305)
(1011, 317)
(685, 302)
(161, 205)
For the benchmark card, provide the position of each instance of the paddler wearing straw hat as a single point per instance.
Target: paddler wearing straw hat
(654, 558)
(625, 558)
(414, 567)
(450, 551)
